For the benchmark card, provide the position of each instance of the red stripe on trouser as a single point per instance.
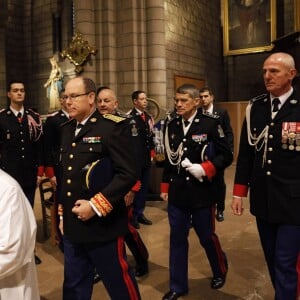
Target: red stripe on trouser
(298, 271)
(124, 265)
(138, 241)
(142, 248)
(221, 256)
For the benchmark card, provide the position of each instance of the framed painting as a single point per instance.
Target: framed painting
(179, 80)
(248, 26)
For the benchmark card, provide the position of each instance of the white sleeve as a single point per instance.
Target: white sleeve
(17, 227)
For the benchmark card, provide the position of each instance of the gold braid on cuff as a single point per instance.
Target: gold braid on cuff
(102, 204)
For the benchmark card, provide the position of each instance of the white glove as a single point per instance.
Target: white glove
(197, 171)
(186, 163)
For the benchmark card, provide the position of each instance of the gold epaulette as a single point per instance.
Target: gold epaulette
(259, 97)
(114, 118)
(214, 116)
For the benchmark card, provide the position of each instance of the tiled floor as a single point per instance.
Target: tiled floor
(247, 277)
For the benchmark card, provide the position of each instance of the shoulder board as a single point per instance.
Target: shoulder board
(213, 116)
(171, 120)
(129, 113)
(123, 115)
(257, 98)
(52, 114)
(114, 118)
(33, 112)
(2, 110)
(67, 122)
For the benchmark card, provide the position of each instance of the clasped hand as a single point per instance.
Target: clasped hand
(83, 210)
(195, 169)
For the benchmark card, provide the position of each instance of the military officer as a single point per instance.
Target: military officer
(94, 222)
(207, 106)
(21, 142)
(268, 164)
(107, 103)
(52, 132)
(189, 187)
(51, 142)
(144, 133)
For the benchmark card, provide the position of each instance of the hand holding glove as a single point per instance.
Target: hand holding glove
(195, 169)
(186, 163)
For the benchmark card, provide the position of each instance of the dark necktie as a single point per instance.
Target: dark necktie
(19, 116)
(78, 128)
(186, 123)
(275, 104)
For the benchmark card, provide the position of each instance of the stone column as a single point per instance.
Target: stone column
(3, 20)
(156, 53)
(85, 24)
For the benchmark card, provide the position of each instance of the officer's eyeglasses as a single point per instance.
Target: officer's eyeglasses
(74, 97)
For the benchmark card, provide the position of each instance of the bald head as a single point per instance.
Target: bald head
(107, 102)
(279, 72)
(281, 57)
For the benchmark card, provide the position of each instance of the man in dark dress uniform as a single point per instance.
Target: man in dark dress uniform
(144, 133)
(189, 187)
(268, 164)
(107, 103)
(51, 141)
(94, 221)
(52, 133)
(20, 142)
(207, 106)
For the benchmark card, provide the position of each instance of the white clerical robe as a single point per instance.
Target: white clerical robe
(18, 278)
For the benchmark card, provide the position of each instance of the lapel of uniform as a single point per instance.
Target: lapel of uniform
(87, 126)
(196, 121)
(176, 132)
(288, 107)
(141, 123)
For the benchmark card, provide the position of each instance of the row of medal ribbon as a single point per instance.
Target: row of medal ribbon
(291, 136)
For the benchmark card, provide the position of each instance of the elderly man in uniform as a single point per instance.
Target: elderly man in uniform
(189, 186)
(94, 218)
(107, 103)
(268, 164)
(21, 143)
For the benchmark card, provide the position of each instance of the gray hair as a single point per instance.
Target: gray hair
(189, 89)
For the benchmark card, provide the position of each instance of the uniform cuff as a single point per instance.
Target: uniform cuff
(240, 190)
(209, 169)
(101, 204)
(49, 172)
(164, 187)
(137, 186)
(40, 171)
(152, 153)
(95, 209)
